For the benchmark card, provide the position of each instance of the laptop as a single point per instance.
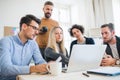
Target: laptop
(85, 57)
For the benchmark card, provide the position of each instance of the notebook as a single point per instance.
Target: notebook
(85, 57)
(109, 70)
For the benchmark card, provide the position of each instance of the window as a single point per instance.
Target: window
(116, 14)
(62, 15)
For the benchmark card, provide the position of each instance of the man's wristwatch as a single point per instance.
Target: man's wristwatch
(118, 62)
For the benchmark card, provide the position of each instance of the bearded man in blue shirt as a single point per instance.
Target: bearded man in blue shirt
(16, 52)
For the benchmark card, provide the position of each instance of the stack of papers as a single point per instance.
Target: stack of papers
(111, 71)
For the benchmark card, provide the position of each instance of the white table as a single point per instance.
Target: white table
(67, 76)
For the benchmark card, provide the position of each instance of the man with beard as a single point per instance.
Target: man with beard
(112, 56)
(46, 24)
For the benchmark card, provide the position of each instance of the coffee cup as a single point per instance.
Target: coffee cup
(54, 68)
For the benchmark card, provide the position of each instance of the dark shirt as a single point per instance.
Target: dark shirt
(108, 49)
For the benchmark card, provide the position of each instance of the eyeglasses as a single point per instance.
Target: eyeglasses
(34, 27)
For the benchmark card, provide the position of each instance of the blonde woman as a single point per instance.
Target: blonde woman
(55, 47)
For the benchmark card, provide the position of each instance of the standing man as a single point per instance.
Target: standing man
(113, 45)
(46, 24)
(16, 52)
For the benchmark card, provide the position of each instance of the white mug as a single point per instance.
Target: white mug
(55, 68)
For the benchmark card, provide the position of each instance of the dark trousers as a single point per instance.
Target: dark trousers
(7, 77)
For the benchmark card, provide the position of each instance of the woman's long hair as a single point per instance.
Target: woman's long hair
(52, 41)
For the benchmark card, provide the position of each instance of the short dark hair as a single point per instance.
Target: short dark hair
(79, 27)
(28, 18)
(48, 3)
(109, 25)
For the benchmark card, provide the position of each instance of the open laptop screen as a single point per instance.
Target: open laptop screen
(85, 57)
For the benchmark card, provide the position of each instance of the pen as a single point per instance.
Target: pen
(85, 74)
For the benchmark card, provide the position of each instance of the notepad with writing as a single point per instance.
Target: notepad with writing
(111, 71)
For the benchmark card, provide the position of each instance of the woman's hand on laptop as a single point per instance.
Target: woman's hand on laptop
(108, 61)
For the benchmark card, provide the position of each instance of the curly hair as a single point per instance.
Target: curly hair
(76, 26)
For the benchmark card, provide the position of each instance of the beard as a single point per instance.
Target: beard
(47, 15)
(108, 41)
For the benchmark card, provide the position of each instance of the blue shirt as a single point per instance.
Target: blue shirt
(15, 56)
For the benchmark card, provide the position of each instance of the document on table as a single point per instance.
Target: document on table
(111, 71)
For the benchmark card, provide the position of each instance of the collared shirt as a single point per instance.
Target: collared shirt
(15, 56)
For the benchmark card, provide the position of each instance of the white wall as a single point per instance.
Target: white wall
(116, 12)
(12, 10)
(81, 12)
(108, 8)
